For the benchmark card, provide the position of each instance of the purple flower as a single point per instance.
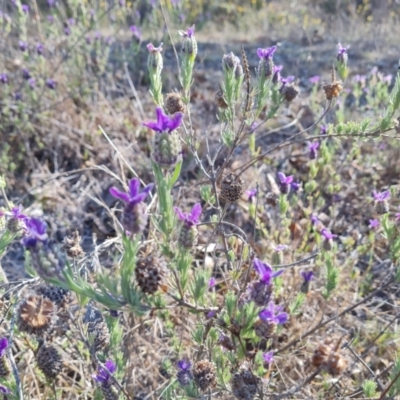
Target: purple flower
(285, 179)
(50, 18)
(323, 130)
(67, 30)
(273, 314)
(189, 33)
(266, 53)
(328, 235)
(3, 78)
(39, 48)
(268, 357)
(51, 2)
(51, 84)
(36, 232)
(25, 8)
(136, 32)
(104, 373)
(374, 223)
(32, 83)
(192, 218)
(153, 49)
(184, 375)
(251, 193)
(16, 212)
(307, 276)
(313, 149)
(211, 314)
(71, 21)
(295, 186)
(3, 346)
(314, 219)
(276, 73)
(26, 74)
(212, 282)
(279, 247)
(164, 122)
(381, 196)
(17, 96)
(265, 271)
(4, 390)
(184, 365)
(23, 46)
(287, 80)
(342, 53)
(133, 196)
(315, 79)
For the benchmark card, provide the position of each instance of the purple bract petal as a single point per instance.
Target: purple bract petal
(36, 231)
(282, 318)
(381, 196)
(195, 213)
(134, 185)
(268, 357)
(266, 53)
(164, 122)
(315, 79)
(3, 346)
(4, 390)
(184, 365)
(307, 275)
(119, 195)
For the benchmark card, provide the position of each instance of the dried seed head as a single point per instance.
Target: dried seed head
(15, 225)
(226, 342)
(150, 273)
(99, 333)
(188, 236)
(231, 187)
(245, 384)
(264, 329)
(290, 92)
(4, 367)
(332, 90)
(204, 373)
(36, 315)
(220, 100)
(174, 103)
(49, 361)
(272, 199)
(55, 294)
(382, 207)
(109, 392)
(134, 217)
(327, 357)
(72, 245)
(166, 149)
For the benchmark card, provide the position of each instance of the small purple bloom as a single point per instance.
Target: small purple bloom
(323, 130)
(314, 219)
(313, 149)
(251, 193)
(287, 80)
(36, 232)
(211, 314)
(50, 18)
(307, 276)
(51, 3)
(164, 122)
(136, 32)
(71, 21)
(342, 53)
(268, 357)
(4, 390)
(23, 46)
(192, 218)
(266, 53)
(3, 346)
(16, 212)
(381, 196)
(26, 74)
(295, 186)
(328, 235)
(51, 84)
(374, 223)
(388, 79)
(279, 247)
(212, 282)
(104, 373)
(189, 33)
(25, 8)
(152, 49)
(276, 73)
(285, 179)
(3, 78)
(184, 375)
(133, 196)
(265, 271)
(39, 48)
(315, 79)
(32, 83)
(273, 314)
(17, 96)
(184, 365)
(67, 31)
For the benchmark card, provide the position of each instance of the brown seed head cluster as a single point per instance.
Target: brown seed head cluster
(290, 92)
(245, 384)
(220, 100)
(150, 273)
(332, 90)
(49, 361)
(231, 187)
(36, 315)
(174, 103)
(72, 245)
(56, 294)
(327, 357)
(204, 374)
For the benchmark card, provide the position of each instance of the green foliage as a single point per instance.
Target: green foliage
(369, 389)
(332, 275)
(394, 377)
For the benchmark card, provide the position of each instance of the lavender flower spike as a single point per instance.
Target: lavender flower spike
(381, 196)
(284, 182)
(265, 271)
(3, 346)
(266, 53)
(313, 149)
(4, 390)
(192, 218)
(188, 33)
(133, 196)
(184, 375)
(273, 314)
(327, 234)
(251, 193)
(164, 122)
(104, 373)
(307, 276)
(36, 232)
(268, 357)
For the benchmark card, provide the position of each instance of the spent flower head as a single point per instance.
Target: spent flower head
(165, 123)
(192, 218)
(273, 314)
